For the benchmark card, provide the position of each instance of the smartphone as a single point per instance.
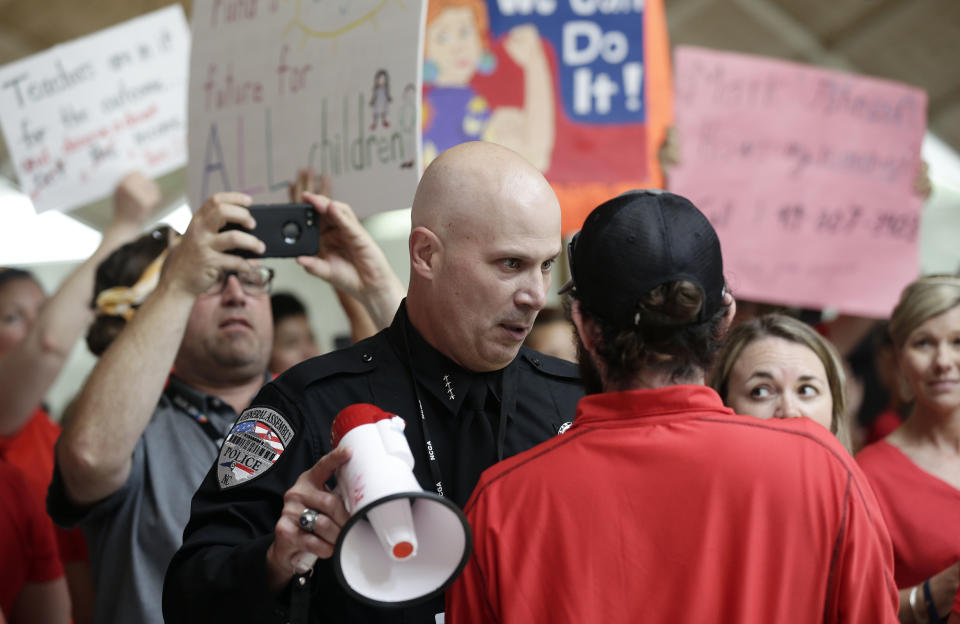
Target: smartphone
(288, 230)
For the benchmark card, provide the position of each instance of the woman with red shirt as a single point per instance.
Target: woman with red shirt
(915, 471)
(36, 337)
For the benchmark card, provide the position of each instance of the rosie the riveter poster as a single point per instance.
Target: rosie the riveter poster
(581, 88)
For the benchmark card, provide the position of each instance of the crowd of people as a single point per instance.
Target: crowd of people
(654, 456)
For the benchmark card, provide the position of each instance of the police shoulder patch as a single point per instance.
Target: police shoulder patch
(253, 446)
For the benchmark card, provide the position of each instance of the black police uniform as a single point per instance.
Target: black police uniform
(219, 574)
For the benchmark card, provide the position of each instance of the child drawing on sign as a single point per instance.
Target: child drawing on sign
(380, 100)
(456, 49)
(408, 123)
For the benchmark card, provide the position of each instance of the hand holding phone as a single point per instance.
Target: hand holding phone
(287, 230)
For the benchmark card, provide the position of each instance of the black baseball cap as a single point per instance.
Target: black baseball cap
(637, 241)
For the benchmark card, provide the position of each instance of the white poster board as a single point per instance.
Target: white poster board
(81, 115)
(280, 85)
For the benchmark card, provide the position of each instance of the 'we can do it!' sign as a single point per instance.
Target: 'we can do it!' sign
(600, 44)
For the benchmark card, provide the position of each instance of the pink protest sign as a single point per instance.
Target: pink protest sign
(807, 175)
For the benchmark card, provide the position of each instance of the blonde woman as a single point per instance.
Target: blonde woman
(775, 366)
(915, 471)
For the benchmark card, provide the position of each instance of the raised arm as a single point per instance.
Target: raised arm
(529, 130)
(29, 369)
(361, 325)
(352, 262)
(116, 403)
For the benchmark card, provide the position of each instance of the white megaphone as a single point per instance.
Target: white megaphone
(401, 545)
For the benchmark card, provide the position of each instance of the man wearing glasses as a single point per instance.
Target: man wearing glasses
(141, 438)
(484, 238)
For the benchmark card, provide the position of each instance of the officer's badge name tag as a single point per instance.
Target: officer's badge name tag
(253, 446)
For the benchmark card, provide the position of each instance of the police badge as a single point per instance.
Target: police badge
(253, 446)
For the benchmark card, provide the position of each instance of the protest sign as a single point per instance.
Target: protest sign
(276, 86)
(807, 175)
(80, 116)
(581, 88)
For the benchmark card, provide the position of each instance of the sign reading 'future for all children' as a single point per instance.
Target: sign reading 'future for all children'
(78, 117)
(807, 175)
(279, 85)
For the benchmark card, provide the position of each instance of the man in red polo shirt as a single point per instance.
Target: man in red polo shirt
(660, 504)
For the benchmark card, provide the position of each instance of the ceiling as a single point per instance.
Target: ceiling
(911, 41)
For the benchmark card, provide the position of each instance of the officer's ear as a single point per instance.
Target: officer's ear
(425, 250)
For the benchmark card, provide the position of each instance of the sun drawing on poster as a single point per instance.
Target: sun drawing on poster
(329, 19)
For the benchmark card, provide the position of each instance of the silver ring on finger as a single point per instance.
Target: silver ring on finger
(308, 519)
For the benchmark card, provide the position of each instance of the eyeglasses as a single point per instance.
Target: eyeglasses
(256, 281)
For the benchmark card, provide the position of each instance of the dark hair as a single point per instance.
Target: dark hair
(122, 268)
(666, 338)
(9, 274)
(285, 304)
(386, 84)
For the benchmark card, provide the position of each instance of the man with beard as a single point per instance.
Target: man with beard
(140, 437)
(485, 235)
(660, 504)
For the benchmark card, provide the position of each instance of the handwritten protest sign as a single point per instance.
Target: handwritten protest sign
(81, 115)
(276, 86)
(581, 88)
(807, 175)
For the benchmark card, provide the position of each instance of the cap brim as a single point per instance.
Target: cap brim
(566, 287)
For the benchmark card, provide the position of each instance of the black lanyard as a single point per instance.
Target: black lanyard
(185, 405)
(432, 459)
(507, 404)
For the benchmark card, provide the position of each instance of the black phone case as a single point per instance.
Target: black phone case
(288, 230)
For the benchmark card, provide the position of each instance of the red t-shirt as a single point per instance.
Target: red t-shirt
(28, 551)
(665, 506)
(31, 450)
(922, 513)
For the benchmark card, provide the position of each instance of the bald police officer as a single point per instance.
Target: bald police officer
(485, 236)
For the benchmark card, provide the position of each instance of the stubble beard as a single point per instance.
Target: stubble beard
(589, 373)
(236, 353)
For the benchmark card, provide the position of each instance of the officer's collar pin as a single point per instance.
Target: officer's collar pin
(448, 386)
